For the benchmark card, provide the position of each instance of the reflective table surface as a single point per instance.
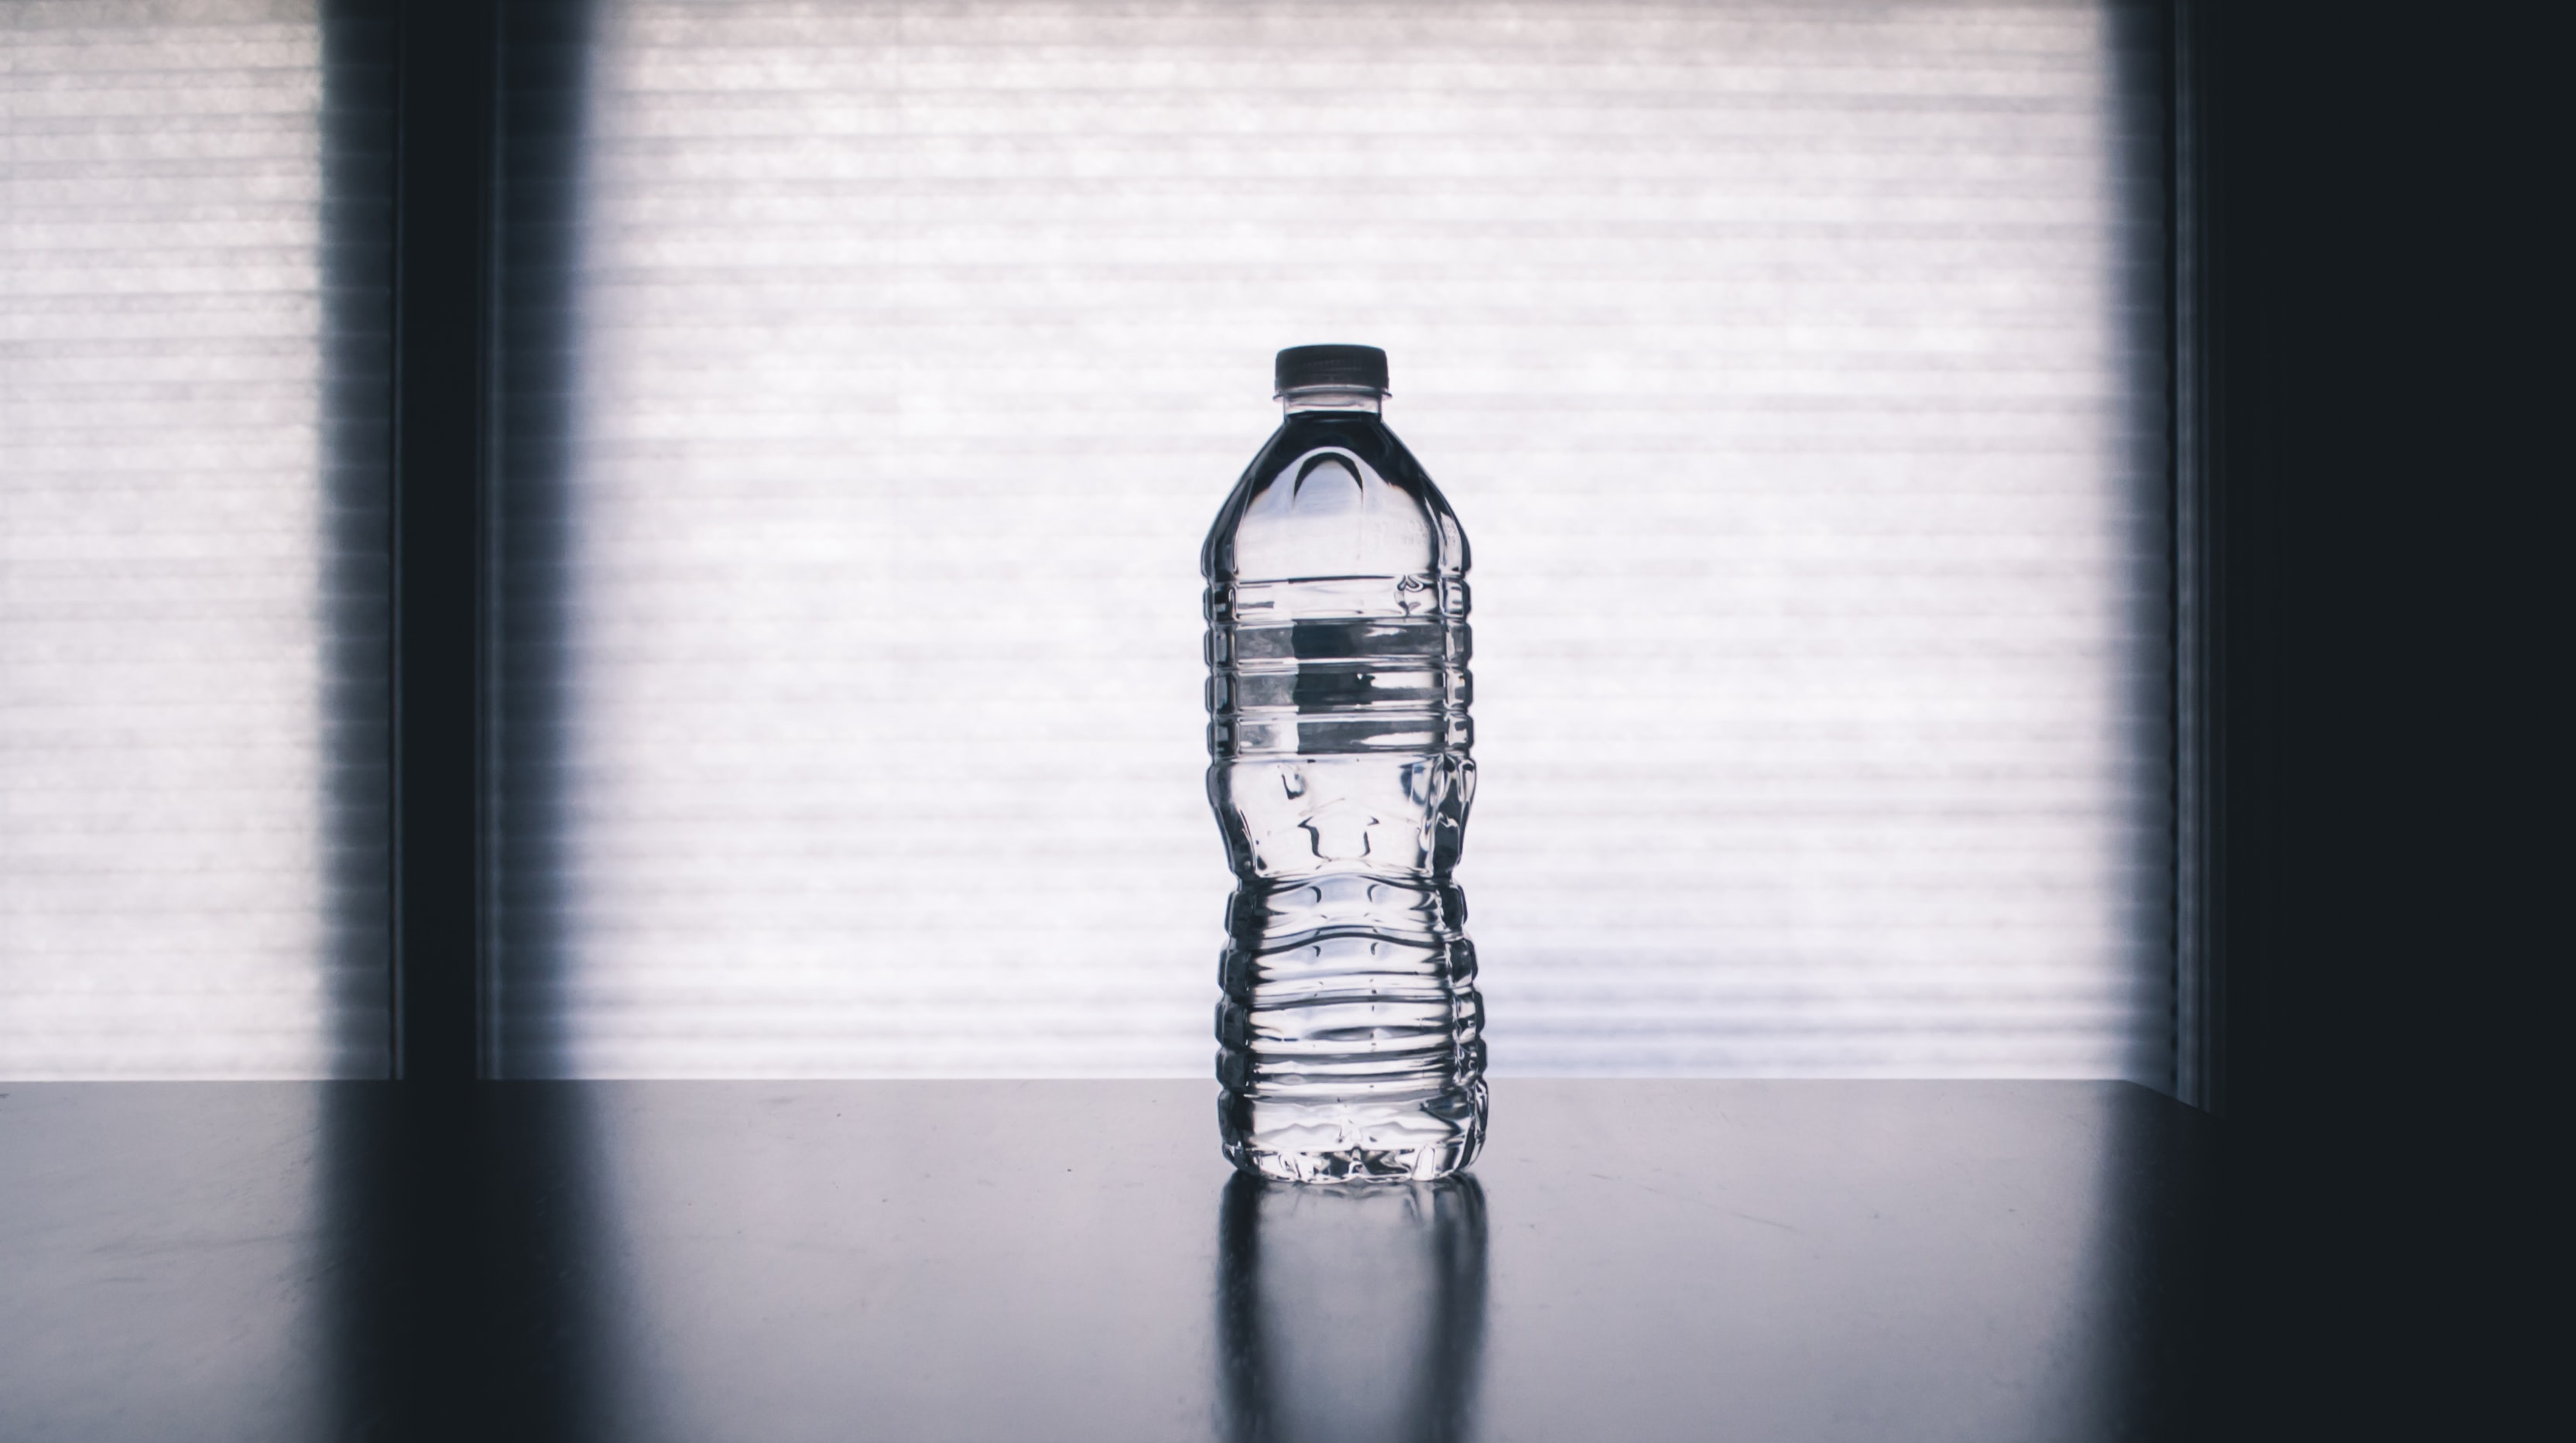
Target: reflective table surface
(1071, 1260)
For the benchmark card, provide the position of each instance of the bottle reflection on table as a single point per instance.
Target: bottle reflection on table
(1352, 1314)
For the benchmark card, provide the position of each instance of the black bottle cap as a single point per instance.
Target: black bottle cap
(1354, 366)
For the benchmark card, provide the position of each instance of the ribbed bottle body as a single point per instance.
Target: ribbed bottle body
(1350, 1032)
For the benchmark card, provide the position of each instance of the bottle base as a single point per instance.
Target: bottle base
(1354, 1141)
(1356, 1165)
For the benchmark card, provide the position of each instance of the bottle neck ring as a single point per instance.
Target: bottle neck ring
(1299, 399)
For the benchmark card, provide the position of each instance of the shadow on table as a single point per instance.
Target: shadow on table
(465, 1287)
(1350, 1314)
(2149, 1297)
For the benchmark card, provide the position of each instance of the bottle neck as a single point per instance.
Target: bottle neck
(1332, 398)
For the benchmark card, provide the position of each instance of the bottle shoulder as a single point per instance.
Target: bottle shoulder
(1333, 494)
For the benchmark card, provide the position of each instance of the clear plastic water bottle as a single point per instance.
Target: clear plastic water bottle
(1350, 1037)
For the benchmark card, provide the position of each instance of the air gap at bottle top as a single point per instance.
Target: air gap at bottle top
(1350, 1036)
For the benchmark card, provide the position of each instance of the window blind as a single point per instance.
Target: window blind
(192, 588)
(1798, 372)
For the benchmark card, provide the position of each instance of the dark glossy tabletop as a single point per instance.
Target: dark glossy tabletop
(1069, 1260)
